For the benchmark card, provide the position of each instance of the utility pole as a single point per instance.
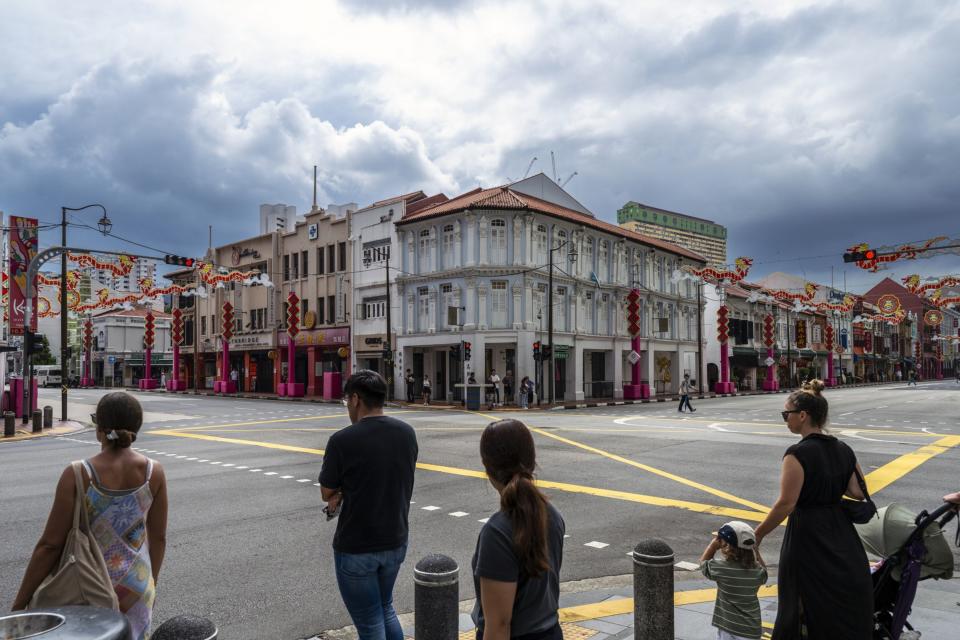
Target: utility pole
(700, 337)
(196, 336)
(388, 365)
(552, 367)
(789, 357)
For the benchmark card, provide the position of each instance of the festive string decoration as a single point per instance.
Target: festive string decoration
(741, 268)
(122, 267)
(848, 302)
(209, 275)
(936, 298)
(149, 291)
(809, 291)
(912, 284)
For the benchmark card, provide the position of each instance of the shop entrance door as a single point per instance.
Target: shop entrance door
(417, 375)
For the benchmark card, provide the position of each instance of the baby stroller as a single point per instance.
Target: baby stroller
(911, 548)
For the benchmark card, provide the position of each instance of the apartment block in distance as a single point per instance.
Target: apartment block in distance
(705, 237)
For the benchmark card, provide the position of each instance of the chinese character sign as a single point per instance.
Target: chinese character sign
(23, 242)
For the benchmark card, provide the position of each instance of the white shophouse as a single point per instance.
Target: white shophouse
(475, 269)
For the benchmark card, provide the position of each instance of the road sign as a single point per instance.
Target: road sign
(111, 359)
(634, 357)
(769, 362)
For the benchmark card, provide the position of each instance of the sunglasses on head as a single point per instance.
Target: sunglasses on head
(786, 414)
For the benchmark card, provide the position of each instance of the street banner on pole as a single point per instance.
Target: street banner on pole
(24, 240)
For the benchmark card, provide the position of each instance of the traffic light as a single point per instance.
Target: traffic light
(455, 351)
(33, 342)
(859, 256)
(387, 354)
(466, 350)
(178, 260)
(545, 351)
(536, 350)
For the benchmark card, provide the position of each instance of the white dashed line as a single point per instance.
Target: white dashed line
(255, 470)
(203, 460)
(216, 462)
(285, 477)
(483, 520)
(243, 467)
(304, 480)
(430, 508)
(270, 473)
(190, 459)
(229, 464)
(458, 514)
(596, 545)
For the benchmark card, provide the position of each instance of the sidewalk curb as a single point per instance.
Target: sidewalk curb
(23, 434)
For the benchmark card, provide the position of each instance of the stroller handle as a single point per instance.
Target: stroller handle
(925, 519)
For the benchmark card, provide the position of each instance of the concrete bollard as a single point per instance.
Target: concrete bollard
(653, 590)
(37, 421)
(186, 628)
(9, 424)
(435, 598)
(47, 417)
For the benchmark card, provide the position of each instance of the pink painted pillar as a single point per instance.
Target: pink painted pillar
(227, 385)
(88, 368)
(636, 375)
(724, 385)
(771, 383)
(831, 380)
(176, 365)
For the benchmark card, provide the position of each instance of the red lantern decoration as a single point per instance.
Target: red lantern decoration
(176, 329)
(828, 334)
(293, 315)
(87, 334)
(227, 321)
(768, 330)
(723, 327)
(148, 330)
(633, 312)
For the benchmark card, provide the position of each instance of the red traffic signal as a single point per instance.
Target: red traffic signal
(860, 256)
(178, 260)
(466, 350)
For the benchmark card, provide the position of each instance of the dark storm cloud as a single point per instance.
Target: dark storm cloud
(168, 155)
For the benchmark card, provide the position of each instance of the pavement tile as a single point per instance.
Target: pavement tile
(600, 625)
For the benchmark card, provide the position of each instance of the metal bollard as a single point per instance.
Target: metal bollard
(653, 590)
(37, 421)
(186, 628)
(435, 598)
(47, 417)
(9, 424)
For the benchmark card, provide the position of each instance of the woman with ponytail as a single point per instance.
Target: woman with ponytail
(126, 501)
(824, 586)
(516, 566)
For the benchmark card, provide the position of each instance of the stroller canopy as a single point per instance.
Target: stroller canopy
(886, 534)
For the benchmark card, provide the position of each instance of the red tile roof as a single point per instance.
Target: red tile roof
(504, 198)
(423, 203)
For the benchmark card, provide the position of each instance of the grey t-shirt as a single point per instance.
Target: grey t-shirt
(537, 599)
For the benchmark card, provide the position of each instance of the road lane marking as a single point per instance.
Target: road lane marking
(665, 474)
(430, 508)
(896, 469)
(741, 514)
(596, 545)
(458, 514)
(625, 605)
(256, 422)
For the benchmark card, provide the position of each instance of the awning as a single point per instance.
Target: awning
(139, 362)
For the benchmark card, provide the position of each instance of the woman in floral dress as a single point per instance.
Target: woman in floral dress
(126, 501)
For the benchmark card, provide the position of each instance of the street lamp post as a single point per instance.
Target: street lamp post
(572, 257)
(105, 225)
(388, 351)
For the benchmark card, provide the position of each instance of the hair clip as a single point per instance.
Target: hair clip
(113, 435)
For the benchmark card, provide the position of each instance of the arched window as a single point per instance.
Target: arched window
(498, 241)
(425, 251)
(448, 246)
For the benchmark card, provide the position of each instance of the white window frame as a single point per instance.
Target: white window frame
(560, 309)
(603, 257)
(603, 315)
(449, 247)
(446, 294)
(498, 303)
(423, 309)
(540, 244)
(498, 241)
(424, 254)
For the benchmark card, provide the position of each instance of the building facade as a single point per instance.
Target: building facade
(475, 270)
(701, 236)
(118, 350)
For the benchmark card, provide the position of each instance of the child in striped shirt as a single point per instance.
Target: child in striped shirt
(739, 574)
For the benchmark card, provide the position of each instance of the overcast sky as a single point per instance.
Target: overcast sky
(804, 127)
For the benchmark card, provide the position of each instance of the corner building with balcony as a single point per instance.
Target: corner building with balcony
(475, 269)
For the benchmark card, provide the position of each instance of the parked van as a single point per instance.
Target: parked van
(47, 375)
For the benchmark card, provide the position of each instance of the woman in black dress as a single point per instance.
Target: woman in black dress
(824, 585)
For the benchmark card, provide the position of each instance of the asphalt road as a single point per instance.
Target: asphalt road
(249, 548)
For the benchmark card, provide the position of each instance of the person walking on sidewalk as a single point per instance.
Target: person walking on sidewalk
(686, 388)
(516, 564)
(824, 584)
(426, 390)
(912, 378)
(739, 575)
(409, 380)
(368, 470)
(125, 494)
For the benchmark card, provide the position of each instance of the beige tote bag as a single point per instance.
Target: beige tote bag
(81, 577)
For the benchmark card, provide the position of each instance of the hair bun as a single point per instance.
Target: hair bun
(815, 387)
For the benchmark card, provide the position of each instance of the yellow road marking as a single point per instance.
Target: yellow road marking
(665, 474)
(273, 421)
(625, 605)
(639, 498)
(896, 469)
(773, 425)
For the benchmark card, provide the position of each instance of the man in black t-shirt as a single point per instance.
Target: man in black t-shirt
(368, 470)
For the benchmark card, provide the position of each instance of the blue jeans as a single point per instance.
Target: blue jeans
(366, 585)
